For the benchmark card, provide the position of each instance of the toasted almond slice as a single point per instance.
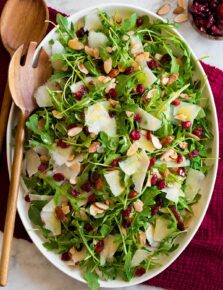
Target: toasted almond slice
(94, 52)
(185, 96)
(114, 72)
(101, 205)
(109, 49)
(180, 117)
(66, 209)
(178, 10)
(138, 205)
(174, 156)
(158, 56)
(173, 78)
(181, 18)
(156, 142)
(125, 37)
(75, 44)
(129, 114)
(136, 66)
(133, 149)
(82, 68)
(142, 238)
(113, 103)
(76, 166)
(164, 9)
(182, 3)
(74, 131)
(164, 80)
(94, 210)
(183, 145)
(167, 140)
(150, 94)
(167, 155)
(143, 56)
(104, 79)
(44, 158)
(94, 147)
(195, 137)
(71, 158)
(57, 114)
(108, 65)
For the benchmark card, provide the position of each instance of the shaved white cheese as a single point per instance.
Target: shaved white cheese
(98, 120)
(114, 181)
(139, 256)
(161, 229)
(189, 111)
(57, 47)
(48, 47)
(139, 176)
(77, 86)
(172, 164)
(150, 236)
(150, 78)
(193, 183)
(110, 247)
(60, 155)
(49, 218)
(97, 39)
(39, 197)
(42, 96)
(78, 158)
(92, 22)
(148, 122)
(145, 144)
(130, 165)
(69, 172)
(136, 45)
(174, 192)
(77, 256)
(41, 150)
(32, 162)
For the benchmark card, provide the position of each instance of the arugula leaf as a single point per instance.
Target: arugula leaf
(129, 23)
(92, 280)
(34, 211)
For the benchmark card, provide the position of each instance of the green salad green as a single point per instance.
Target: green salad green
(115, 153)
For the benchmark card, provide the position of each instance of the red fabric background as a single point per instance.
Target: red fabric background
(201, 264)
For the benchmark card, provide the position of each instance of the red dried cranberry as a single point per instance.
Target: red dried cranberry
(91, 82)
(58, 177)
(193, 154)
(148, 135)
(75, 193)
(42, 167)
(181, 171)
(139, 22)
(112, 93)
(129, 70)
(180, 226)
(165, 59)
(151, 162)
(78, 95)
(92, 198)
(175, 213)
(115, 162)
(140, 271)
(62, 144)
(99, 246)
(138, 118)
(88, 227)
(152, 64)
(198, 132)
(132, 194)
(176, 102)
(161, 184)
(80, 32)
(186, 124)
(126, 223)
(66, 256)
(86, 186)
(154, 179)
(27, 198)
(179, 158)
(140, 89)
(155, 210)
(126, 212)
(134, 135)
(60, 214)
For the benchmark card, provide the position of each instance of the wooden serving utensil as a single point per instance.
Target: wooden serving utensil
(21, 21)
(23, 81)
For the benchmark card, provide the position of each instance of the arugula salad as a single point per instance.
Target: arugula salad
(115, 153)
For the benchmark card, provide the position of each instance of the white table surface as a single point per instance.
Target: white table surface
(29, 269)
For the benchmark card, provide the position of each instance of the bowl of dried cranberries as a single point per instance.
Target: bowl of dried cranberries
(207, 17)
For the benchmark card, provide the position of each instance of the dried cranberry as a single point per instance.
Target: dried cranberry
(154, 179)
(179, 158)
(42, 167)
(80, 32)
(112, 93)
(176, 102)
(27, 198)
(129, 70)
(139, 22)
(148, 135)
(86, 186)
(75, 193)
(155, 209)
(66, 256)
(92, 198)
(60, 214)
(91, 82)
(175, 213)
(151, 162)
(198, 132)
(88, 227)
(126, 212)
(140, 271)
(165, 59)
(140, 89)
(99, 246)
(186, 124)
(180, 226)
(126, 223)
(62, 144)
(115, 162)
(78, 95)
(161, 184)
(152, 64)
(58, 177)
(193, 154)
(134, 135)
(132, 194)
(138, 118)
(181, 171)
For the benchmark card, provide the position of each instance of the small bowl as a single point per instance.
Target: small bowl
(209, 36)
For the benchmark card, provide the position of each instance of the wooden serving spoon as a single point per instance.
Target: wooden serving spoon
(22, 21)
(23, 81)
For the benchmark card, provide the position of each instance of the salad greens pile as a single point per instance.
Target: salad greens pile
(115, 152)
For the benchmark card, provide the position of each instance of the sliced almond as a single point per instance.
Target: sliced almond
(182, 3)
(121, 68)
(75, 44)
(44, 158)
(156, 142)
(136, 66)
(129, 114)
(167, 140)
(74, 131)
(108, 65)
(178, 10)
(104, 79)
(142, 238)
(114, 73)
(151, 93)
(57, 114)
(144, 56)
(76, 166)
(113, 103)
(191, 135)
(98, 208)
(133, 149)
(164, 9)
(94, 147)
(183, 145)
(158, 56)
(111, 85)
(82, 68)
(173, 78)
(181, 18)
(138, 205)
(109, 49)
(167, 155)
(180, 117)
(102, 205)
(164, 80)
(94, 52)
(185, 96)
(66, 209)
(125, 37)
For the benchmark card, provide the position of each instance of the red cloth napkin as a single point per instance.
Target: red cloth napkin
(201, 264)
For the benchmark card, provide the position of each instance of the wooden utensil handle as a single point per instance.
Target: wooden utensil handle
(4, 114)
(12, 201)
